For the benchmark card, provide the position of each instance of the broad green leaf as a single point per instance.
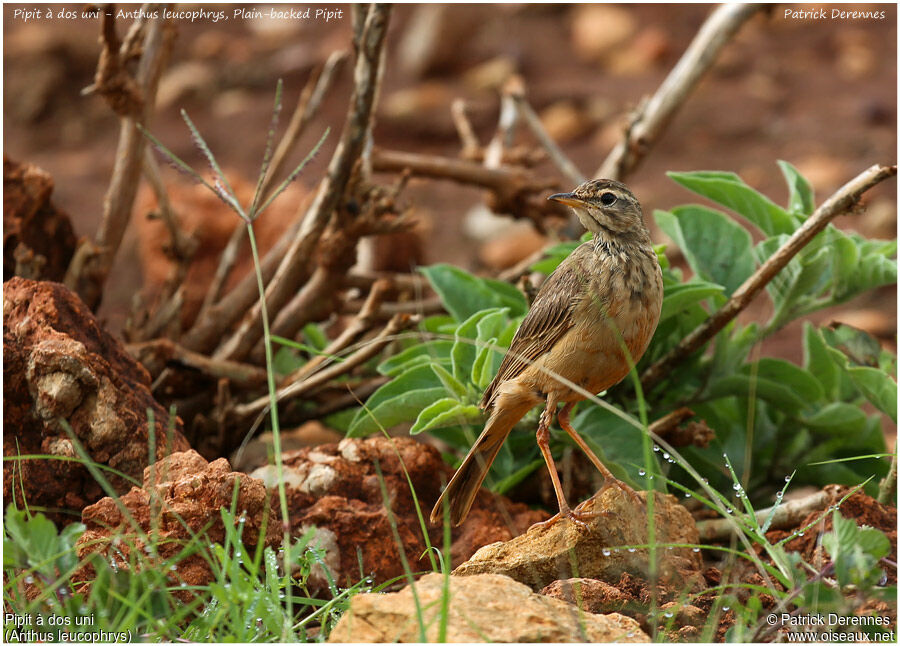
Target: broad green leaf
(730, 191)
(419, 354)
(446, 412)
(449, 382)
(483, 370)
(716, 247)
(818, 361)
(315, 336)
(399, 400)
(466, 345)
(464, 294)
(779, 382)
(837, 417)
(680, 297)
(877, 387)
(618, 443)
(801, 200)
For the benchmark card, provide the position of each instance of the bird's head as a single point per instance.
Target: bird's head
(604, 207)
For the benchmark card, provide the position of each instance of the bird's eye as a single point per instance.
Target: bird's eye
(607, 199)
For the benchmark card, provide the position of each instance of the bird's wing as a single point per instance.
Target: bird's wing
(550, 317)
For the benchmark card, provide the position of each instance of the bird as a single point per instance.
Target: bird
(589, 324)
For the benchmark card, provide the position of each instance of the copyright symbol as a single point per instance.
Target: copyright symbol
(772, 620)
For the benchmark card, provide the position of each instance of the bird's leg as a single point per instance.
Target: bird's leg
(608, 478)
(543, 442)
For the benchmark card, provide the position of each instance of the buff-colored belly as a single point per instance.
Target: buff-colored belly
(592, 355)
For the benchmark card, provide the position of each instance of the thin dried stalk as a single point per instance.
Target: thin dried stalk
(565, 165)
(294, 269)
(842, 201)
(157, 354)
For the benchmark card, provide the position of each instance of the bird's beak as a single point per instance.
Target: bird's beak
(569, 199)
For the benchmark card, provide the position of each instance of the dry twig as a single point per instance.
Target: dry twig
(649, 121)
(839, 203)
(368, 350)
(294, 269)
(557, 156)
(92, 262)
(157, 354)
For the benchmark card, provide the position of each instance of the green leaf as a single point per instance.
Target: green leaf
(855, 552)
(483, 370)
(779, 382)
(446, 412)
(399, 400)
(730, 191)
(837, 417)
(450, 383)
(466, 345)
(419, 354)
(716, 247)
(874, 384)
(618, 443)
(801, 200)
(680, 297)
(464, 294)
(315, 336)
(818, 361)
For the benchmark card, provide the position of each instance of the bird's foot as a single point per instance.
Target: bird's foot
(578, 517)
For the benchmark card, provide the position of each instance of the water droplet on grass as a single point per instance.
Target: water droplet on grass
(641, 472)
(606, 552)
(696, 549)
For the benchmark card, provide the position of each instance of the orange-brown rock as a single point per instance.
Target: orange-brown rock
(60, 367)
(37, 237)
(181, 497)
(607, 548)
(337, 488)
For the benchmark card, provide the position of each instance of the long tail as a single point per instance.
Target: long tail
(464, 484)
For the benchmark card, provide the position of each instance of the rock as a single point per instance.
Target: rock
(590, 595)
(547, 553)
(599, 30)
(181, 496)
(32, 224)
(337, 489)
(258, 450)
(60, 365)
(482, 608)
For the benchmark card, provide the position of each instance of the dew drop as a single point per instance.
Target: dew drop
(183, 584)
(787, 478)
(668, 615)
(29, 579)
(632, 549)
(725, 455)
(687, 494)
(641, 472)
(736, 486)
(696, 549)
(656, 447)
(606, 552)
(800, 533)
(666, 456)
(779, 496)
(726, 608)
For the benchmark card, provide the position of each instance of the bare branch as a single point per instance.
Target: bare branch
(648, 123)
(157, 354)
(368, 350)
(470, 145)
(360, 324)
(295, 266)
(93, 261)
(557, 156)
(839, 203)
